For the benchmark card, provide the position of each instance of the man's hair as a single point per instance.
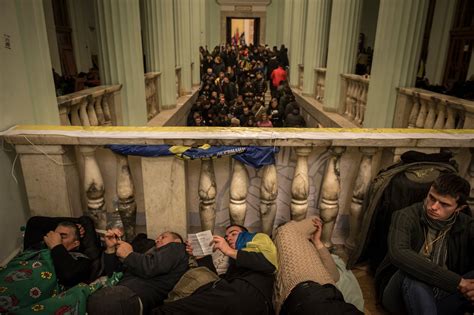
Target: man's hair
(454, 186)
(73, 226)
(176, 236)
(243, 228)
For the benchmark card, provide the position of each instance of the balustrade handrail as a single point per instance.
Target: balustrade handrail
(443, 98)
(80, 96)
(152, 75)
(289, 137)
(356, 77)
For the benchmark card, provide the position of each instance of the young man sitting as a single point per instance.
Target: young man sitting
(432, 245)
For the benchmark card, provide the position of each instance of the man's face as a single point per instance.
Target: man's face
(440, 207)
(165, 238)
(68, 237)
(231, 235)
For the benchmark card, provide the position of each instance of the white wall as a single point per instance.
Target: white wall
(17, 106)
(214, 28)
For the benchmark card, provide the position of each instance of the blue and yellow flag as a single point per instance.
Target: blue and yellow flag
(252, 156)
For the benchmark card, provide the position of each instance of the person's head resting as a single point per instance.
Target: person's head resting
(168, 237)
(70, 236)
(448, 195)
(232, 233)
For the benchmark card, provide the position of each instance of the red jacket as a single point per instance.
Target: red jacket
(278, 75)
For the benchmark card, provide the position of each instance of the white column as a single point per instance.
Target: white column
(397, 49)
(439, 40)
(80, 43)
(296, 48)
(287, 19)
(32, 43)
(316, 41)
(160, 47)
(120, 55)
(52, 38)
(195, 30)
(342, 52)
(184, 52)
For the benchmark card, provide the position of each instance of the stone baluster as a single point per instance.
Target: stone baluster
(207, 195)
(420, 120)
(441, 117)
(431, 116)
(348, 111)
(99, 111)
(64, 112)
(362, 103)
(268, 195)
(451, 118)
(360, 188)
(127, 206)
(329, 204)
(75, 119)
(415, 109)
(238, 193)
(357, 94)
(106, 109)
(83, 113)
(300, 185)
(91, 114)
(470, 177)
(94, 187)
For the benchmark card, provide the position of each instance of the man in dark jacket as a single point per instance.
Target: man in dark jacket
(147, 277)
(432, 245)
(246, 287)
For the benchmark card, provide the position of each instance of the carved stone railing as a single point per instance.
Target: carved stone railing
(97, 106)
(178, 82)
(320, 81)
(354, 88)
(152, 88)
(300, 76)
(418, 108)
(318, 171)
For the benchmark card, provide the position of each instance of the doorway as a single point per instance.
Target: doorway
(242, 30)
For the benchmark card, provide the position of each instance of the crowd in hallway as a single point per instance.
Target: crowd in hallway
(235, 81)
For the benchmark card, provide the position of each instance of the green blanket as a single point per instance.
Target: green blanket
(28, 285)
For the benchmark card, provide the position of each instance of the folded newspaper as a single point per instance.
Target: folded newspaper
(201, 243)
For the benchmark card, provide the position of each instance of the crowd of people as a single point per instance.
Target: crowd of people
(234, 82)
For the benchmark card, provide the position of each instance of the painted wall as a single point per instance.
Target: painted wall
(17, 106)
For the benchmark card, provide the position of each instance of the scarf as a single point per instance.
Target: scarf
(435, 246)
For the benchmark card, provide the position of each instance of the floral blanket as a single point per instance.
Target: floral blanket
(28, 285)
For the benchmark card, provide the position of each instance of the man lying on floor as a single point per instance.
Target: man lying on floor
(147, 277)
(305, 281)
(36, 274)
(246, 287)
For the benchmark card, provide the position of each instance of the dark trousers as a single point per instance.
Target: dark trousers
(406, 295)
(310, 298)
(220, 297)
(115, 300)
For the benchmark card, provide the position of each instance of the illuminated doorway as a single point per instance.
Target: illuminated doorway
(243, 30)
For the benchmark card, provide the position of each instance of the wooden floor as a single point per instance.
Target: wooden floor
(367, 285)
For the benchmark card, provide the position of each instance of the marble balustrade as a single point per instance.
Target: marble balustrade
(320, 79)
(354, 88)
(97, 106)
(418, 108)
(317, 171)
(152, 88)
